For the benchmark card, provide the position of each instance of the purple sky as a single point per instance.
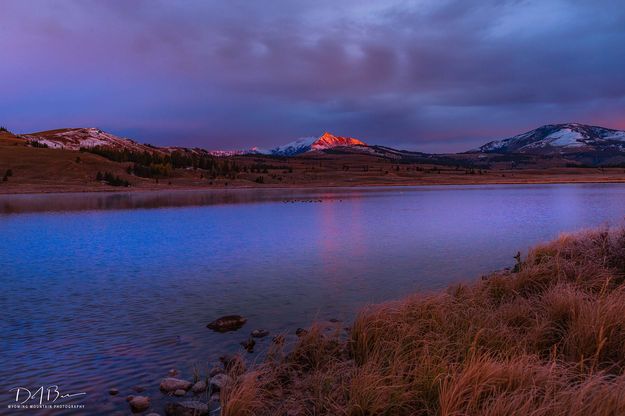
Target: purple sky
(439, 75)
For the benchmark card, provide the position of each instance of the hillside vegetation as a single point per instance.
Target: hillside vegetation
(544, 338)
(68, 160)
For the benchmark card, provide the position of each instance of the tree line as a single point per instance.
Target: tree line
(158, 165)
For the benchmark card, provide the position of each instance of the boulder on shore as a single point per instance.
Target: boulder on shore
(199, 387)
(171, 384)
(219, 381)
(227, 323)
(187, 408)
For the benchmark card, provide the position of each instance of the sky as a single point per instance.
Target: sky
(431, 75)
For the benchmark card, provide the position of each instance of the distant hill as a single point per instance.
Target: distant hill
(75, 138)
(576, 142)
(89, 159)
(549, 145)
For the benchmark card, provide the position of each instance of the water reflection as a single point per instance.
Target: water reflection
(24, 203)
(102, 292)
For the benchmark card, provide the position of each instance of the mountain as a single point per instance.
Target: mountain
(75, 138)
(307, 144)
(561, 139)
(549, 145)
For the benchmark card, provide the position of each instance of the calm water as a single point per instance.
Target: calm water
(112, 290)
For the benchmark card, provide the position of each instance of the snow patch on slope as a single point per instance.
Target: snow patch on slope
(559, 137)
(565, 138)
(74, 139)
(301, 145)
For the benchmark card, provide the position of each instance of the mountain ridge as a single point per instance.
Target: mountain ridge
(572, 142)
(90, 137)
(561, 138)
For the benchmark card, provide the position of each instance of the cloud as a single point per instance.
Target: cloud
(445, 74)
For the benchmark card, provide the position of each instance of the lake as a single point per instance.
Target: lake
(105, 291)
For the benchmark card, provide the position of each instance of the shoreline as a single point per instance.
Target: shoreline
(544, 337)
(168, 188)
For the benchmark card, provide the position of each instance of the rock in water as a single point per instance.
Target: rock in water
(188, 408)
(249, 344)
(259, 333)
(139, 404)
(227, 323)
(171, 384)
(113, 392)
(199, 387)
(180, 393)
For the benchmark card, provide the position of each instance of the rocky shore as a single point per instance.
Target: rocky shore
(544, 337)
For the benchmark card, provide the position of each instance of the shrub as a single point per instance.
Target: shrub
(111, 179)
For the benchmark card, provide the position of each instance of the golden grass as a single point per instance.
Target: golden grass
(546, 339)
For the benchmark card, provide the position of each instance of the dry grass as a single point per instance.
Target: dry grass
(547, 339)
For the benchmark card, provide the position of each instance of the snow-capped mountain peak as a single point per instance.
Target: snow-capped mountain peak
(559, 138)
(327, 141)
(307, 144)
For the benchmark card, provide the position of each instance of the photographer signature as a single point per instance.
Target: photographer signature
(48, 394)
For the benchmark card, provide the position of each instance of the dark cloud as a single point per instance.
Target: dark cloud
(434, 75)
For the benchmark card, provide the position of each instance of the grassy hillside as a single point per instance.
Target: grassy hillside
(545, 338)
(39, 169)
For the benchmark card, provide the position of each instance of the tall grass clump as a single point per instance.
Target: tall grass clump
(546, 338)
